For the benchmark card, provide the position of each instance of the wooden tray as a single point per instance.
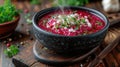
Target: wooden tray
(50, 57)
(26, 58)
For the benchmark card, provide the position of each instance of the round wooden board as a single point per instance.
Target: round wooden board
(49, 57)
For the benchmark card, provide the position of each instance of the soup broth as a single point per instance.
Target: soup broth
(71, 23)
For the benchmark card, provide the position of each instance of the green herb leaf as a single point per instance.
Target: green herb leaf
(11, 51)
(29, 21)
(99, 23)
(83, 20)
(7, 12)
(27, 16)
(35, 2)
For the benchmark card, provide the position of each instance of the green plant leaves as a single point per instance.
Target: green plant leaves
(35, 2)
(72, 2)
(7, 12)
(11, 51)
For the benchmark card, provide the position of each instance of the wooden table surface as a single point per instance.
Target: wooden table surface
(24, 34)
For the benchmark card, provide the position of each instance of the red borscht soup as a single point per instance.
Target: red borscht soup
(71, 22)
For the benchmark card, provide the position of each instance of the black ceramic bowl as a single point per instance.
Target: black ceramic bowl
(60, 43)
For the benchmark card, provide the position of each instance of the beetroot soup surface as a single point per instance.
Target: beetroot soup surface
(71, 22)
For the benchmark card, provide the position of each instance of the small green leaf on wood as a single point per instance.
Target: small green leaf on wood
(11, 51)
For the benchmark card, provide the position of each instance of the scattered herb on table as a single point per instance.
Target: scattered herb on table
(29, 21)
(7, 12)
(27, 17)
(11, 51)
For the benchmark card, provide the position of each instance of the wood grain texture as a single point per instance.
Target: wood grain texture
(30, 60)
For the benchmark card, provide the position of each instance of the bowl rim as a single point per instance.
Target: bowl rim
(44, 11)
(13, 21)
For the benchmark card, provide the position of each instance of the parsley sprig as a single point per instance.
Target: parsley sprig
(7, 12)
(11, 51)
